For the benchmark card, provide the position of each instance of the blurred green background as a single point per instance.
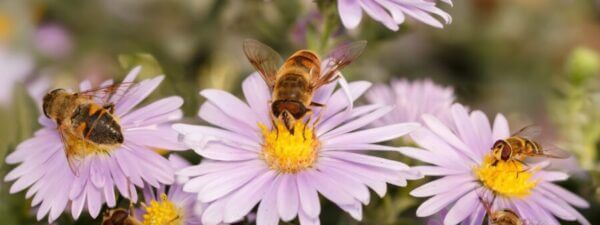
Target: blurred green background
(535, 61)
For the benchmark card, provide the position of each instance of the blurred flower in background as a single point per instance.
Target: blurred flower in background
(392, 13)
(411, 100)
(53, 41)
(15, 68)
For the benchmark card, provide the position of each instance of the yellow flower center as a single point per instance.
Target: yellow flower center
(289, 152)
(6, 26)
(505, 178)
(162, 212)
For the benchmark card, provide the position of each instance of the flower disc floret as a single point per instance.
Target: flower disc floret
(289, 152)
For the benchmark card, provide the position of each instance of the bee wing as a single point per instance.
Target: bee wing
(529, 132)
(340, 57)
(74, 157)
(264, 59)
(109, 94)
(552, 151)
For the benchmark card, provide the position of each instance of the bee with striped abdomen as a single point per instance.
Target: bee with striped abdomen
(294, 82)
(85, 124)
(524, 144)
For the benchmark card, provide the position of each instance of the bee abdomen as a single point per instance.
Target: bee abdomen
(99, 126)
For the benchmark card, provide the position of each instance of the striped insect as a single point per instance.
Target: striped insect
(86, 121)
(294, 82)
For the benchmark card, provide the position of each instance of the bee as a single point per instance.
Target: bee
(120, 216)
(294, 82)
(524, 144)
(502, 216)
(85, 121)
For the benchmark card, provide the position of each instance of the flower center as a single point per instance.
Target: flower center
(289, 152)
(162, 212)
(6, 27)
(506, 178)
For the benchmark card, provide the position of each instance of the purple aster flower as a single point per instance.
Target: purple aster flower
(461, 156)
(53, 185)
(170, 204)
(15, 67)
(53, 40)
(412, 100)
(392, 13)
(250, 161)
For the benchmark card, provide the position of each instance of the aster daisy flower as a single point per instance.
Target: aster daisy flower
(54, 186)
(412, 100)
(461, 156)
(392, 13)
(15, 67)
(170, 205)
(250, 161)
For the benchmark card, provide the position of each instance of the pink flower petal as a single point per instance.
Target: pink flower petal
(350, 13)
(287, 197)
(309, 199)
(247, 197)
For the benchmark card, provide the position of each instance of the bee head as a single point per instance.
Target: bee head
(115, 217)
(49, 99)
(501, 150)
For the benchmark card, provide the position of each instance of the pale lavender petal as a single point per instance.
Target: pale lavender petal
(327, 188)
(440, 201)
(232, 106)
(367, 160)
(464, 207)
(258, 96)
(247, 197)
(219, 187)
(373, 135)
(354, 209)
(440, 129)
(156, 112)
(350, 13)
(309, 199)
(500, 130)
(565, 194)
(267, 209)
(305, 219)
(287, 197)
(442, 185)
(136, 95)
(349, 183)
(357, 123)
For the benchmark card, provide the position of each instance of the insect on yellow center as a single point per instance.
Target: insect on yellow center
(506, 178)
(288, 152)
(162, 212)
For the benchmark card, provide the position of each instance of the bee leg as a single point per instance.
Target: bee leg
(276, 128)
(110, 107)
(307, 122)
(316, 104)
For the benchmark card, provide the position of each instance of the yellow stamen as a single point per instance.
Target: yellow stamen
(288, 152)
(505, 178)
(6, 26)
(162, 212)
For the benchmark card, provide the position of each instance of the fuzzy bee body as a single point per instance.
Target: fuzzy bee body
(523, 144)
(85, 126)
(119, 217)
(294, 81)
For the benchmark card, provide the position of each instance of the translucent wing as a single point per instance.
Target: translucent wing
(74, 149)
(529, 132)
(264, 59)
(109, 94)
(552, 151)
(549, 150)
(340, 57)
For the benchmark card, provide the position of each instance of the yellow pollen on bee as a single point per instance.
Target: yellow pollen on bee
(505, 178)
(163, 212)
(288, 152)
